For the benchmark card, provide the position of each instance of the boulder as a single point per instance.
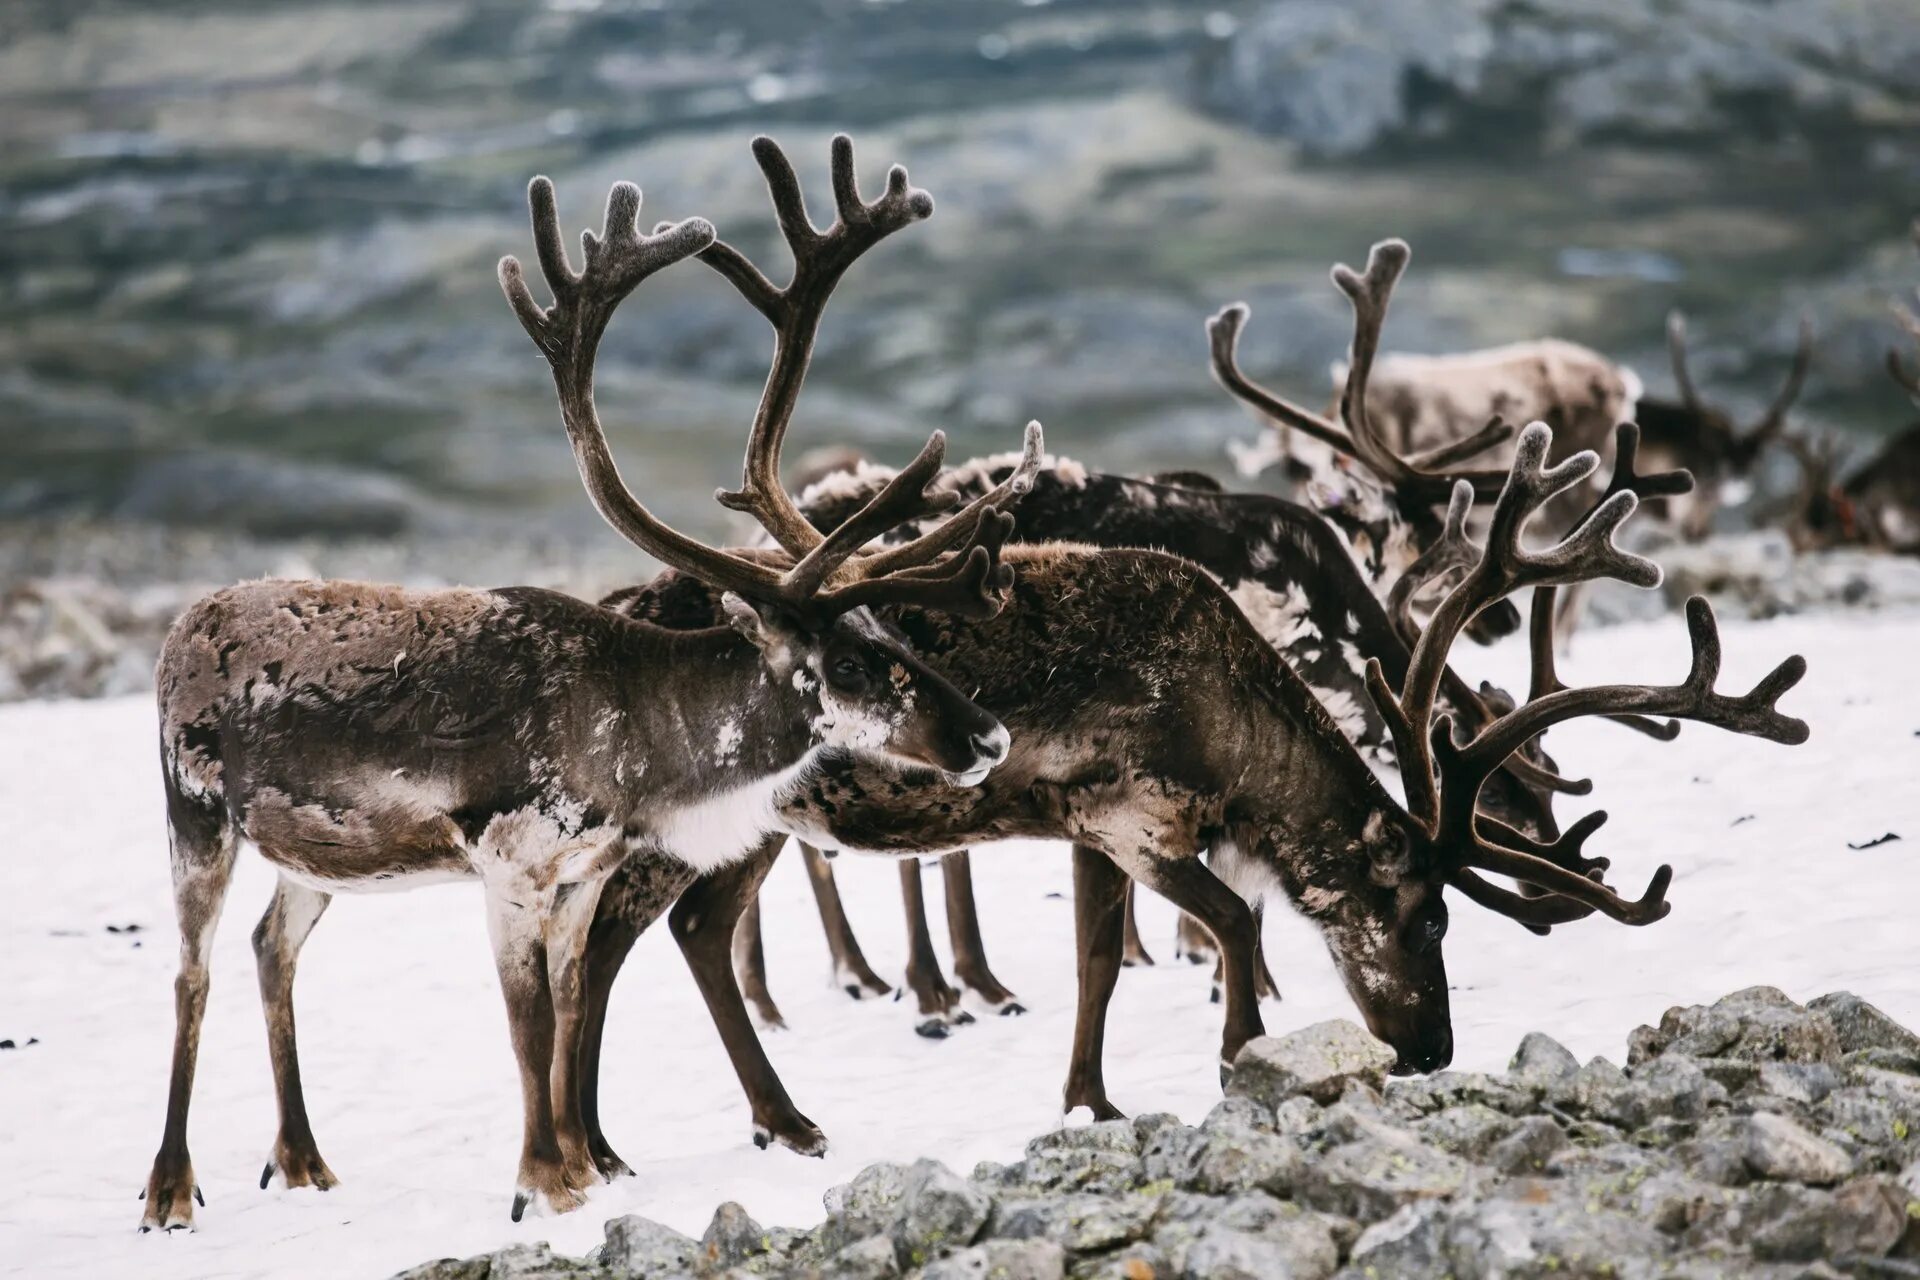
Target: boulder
(1317, 1061)
(1782, 1151)
(647, 1248)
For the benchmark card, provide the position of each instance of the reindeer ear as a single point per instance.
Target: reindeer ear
(1389, 851)
(771, 628)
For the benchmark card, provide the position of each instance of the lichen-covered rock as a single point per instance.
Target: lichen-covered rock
(1802, 1082)
(1095, 1157)
(537, 1262)
(1526, 1150)
(866, 1206)
(1861, 1026)
(1001, 1260)
(1541, 1059)
(1129, 1262)
(1317, 1061)
(1759, 1024)
(732, 1237)
(1562, 1236)
(1864, 1218)
(1601, 1091)
(1470, 1130)
(645, 1247)
(939, 1212)
(869, 1259)
(449, 1269)
(1369, 1179)
(1675, 1085)
(1078, 1223)
(1222, 1253)
(1780, 1150)
(1443, 1089)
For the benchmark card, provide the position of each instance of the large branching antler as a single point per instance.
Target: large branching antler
(1444, 777)
(1417, 476)
(1770, 423)
(828, 575)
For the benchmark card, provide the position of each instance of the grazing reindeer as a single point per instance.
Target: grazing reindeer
(1286, 569)
(371, 737)
(1705, 440)
(1150, 722)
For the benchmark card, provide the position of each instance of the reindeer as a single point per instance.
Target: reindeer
(1152, 722)
(1879, 504)
(1705, 440)
(368, 737)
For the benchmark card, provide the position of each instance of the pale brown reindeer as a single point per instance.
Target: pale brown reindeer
(372, 737)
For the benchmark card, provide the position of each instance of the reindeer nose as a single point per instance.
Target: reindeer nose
(992, 747)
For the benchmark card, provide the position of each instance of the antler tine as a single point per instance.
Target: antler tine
(1774, 420)
(568, 333)
(1677, 354)
(1625, 479)
(1537, 915)
(1223, 343)
(904, 498)
(1497, 431)
(972, 582)
(820, 258)
(952, 531)
(1369, 293)
(1452, 552)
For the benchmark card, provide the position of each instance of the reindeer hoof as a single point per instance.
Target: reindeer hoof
(799, 1135)
(1012, 1009)
(962, 1018)
(933, 1028)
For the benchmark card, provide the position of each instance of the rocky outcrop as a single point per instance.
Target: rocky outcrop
(1750, 1137)
(1343, 76)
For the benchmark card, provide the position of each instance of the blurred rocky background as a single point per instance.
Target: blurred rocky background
(248, 245)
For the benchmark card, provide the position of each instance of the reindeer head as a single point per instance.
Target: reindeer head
(1706, 440)
(1387, 919)
(804, 605)
(1385, 503)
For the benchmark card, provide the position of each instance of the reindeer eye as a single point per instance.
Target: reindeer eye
(1429, 930)
(847, 675)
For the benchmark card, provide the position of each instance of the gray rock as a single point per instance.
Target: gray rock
(1238, 1114)
(1129, 1262)
(1869, 1120)
(1369, 1179)
(1601, 1091)
(939, 1212)
(1297, 1117)
(1675, 1085)
(1759, 1024)
(732, 1237)
(1222, 1160)
(1469, 1130)
(1541, 1059)
(1559, 1237)
(1528, 1147)
(1443, 1089)
(643, 1246)
(1791, 1223)
(1317, 1061)
(1410, 1242)
(537, 1262)
(1223, 1253)
(1802, 1082)
(449, 1269)
(1077, 1223)
(1001, 1260)
(869, 1259)
(1861, 1026)
(1122, 1137)
(1783, 1151)
(867, 1206)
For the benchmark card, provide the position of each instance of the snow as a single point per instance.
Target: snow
(411, 1082)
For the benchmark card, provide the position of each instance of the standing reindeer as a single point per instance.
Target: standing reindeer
(371, 737)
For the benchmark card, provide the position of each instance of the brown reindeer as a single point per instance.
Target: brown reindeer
(1151, 722)
(372, 737)
(1705, 439)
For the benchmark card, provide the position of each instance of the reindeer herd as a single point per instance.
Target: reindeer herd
(1196, 690)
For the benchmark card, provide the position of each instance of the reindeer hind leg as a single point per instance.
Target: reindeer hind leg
(851, 972)
(938, 1004)
(277, 940)
(750, 969)
(963, 933)
(203, 851)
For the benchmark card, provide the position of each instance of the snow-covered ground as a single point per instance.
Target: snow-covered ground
(412, 1086)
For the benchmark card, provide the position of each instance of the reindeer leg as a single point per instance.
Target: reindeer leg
(277, 940)
(963, 933)
(851, 972)
(1192, 941)
(1099, 904)
(515, 926)
(1263, 984)
(938, 1002)
(1189, 885)
(750, 969)
(1135, 951)
(203, 856)
(703, 924)
(564, 932)
(608, 942)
